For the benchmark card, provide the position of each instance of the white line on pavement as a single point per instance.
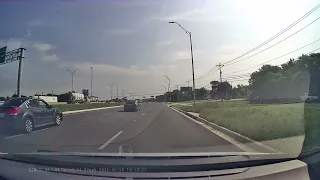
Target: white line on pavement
(17, 135)
(110, 140)
(9, 137)
(143, 114)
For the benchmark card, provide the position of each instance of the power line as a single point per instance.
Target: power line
(278, 57)
(278, 34)
(274, 44)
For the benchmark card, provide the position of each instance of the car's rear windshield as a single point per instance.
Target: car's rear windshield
(130, 102)
(13, 102)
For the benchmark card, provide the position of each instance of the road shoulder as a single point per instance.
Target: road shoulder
(238, 140)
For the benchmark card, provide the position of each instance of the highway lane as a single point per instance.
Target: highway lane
(154, 129)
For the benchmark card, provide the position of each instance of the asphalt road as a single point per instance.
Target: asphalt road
(154, 129)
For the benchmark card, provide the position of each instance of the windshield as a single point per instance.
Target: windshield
(206, 76)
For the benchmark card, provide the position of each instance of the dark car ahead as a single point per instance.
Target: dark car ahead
(28, 113)
(132, 105)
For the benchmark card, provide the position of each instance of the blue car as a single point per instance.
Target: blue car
(28, 113)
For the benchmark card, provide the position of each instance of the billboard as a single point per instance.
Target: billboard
(186, 89)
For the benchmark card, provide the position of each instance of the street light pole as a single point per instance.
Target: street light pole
(165, 89)
(168, 87)
(72, 73)
(91, 80)
(191, 49)
(111, 85)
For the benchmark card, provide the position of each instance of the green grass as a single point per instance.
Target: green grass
(260, 122)
(265, 122)
(72, 107)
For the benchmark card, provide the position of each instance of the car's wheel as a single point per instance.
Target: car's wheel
(28, 125)
(58, 120)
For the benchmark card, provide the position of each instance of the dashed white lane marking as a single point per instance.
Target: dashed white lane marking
(143, 114)
(105, 114)
(110, 140)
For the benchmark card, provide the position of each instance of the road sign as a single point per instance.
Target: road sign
(3, 52)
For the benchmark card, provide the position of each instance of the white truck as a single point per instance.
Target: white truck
(77, 98)
(308, 97)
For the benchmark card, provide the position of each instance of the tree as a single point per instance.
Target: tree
(224, 90)
(286, 83)
(214, 89)
(201, 93)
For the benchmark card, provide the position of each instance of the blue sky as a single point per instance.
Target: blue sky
(131, 42)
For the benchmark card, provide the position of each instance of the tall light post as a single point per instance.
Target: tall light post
(91, 79)
(72, 73)
(190, 38)
(165, 89)
(168, 87)
(111, 85)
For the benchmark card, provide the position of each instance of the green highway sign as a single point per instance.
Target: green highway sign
(3, 54)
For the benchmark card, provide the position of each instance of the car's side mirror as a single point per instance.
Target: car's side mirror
(50, 106)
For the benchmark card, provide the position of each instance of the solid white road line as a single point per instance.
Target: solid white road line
(9, 137)
(17, 135)
(110, 140)
(143, 114)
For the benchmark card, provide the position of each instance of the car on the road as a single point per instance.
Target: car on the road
(132, 105)
(27, 113)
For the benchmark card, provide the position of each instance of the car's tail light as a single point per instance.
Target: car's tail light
(14, 111)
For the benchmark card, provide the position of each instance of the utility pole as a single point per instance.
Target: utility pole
(111, 85)
(220, 67)
(21, 56)
(91, 80)
(52, 93)
(72, 73)
(117, 92)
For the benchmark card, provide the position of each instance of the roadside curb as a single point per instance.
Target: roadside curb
(257, 146)
(86, 110)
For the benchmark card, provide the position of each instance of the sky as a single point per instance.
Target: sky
(131, 43)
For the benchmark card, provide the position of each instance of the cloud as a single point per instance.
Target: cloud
(180, 55)
(38, 23)
(119, 32)
(6, 84)
(164, 43)
(43, 47)
(52, 57)
(14, 44)
(186, 15)
(28, 33)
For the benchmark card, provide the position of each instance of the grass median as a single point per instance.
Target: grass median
(73, 107)
(266, 122)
